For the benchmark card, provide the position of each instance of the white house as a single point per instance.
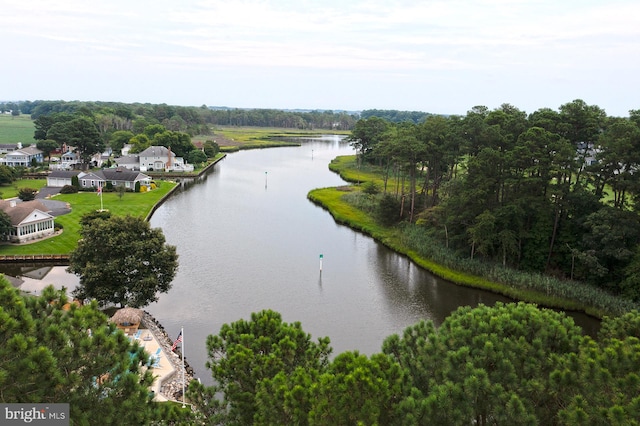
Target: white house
(160, 158)
(60, 178)
(23, 157)
(30, 220)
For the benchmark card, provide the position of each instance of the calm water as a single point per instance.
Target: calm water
(248, 240)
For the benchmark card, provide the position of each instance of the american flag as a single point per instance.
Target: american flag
(99, 190)
(177, 342)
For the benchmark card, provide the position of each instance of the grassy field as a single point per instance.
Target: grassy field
(16, 129)
(134, 204)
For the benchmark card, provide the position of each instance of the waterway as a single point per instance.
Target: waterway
(248, 239)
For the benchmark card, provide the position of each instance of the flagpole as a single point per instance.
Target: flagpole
(183, 380)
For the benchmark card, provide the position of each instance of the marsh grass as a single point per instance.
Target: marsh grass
(351, 207)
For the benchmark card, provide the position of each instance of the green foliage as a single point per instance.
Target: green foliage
(196, 156)
(69, 189)
(370, 188)
(244, 354)
(27, 194)
(488, 361)
(211, 149)
(80, 132)
(7, 174)
(137, 187)
(5, 224)
(51, 354)
(121, 260)
(388, 210)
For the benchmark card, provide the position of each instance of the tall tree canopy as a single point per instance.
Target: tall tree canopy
(80, 133)
(50, 354)
(122, 260)
(244, 354)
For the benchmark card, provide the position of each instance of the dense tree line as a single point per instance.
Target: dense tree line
(508, 364)
(189, 119)
(395, 116)
(552, 191)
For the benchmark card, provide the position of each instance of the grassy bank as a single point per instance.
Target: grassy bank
(431, 255)
(134, 204)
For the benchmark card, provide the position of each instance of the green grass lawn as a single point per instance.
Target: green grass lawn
(134, 204)
(11, 191)
(16, 129)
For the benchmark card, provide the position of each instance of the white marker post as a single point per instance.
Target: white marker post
(321, 263)
(265, 179)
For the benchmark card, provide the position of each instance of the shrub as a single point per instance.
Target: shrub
(69, 189)
(27, 194)
(388, 211)
(370, 188)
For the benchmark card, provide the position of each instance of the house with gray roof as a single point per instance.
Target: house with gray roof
(160, 159)
(23, 157)
(30, 220)
(117, 177)
(60, 178)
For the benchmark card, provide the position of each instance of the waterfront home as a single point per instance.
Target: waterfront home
(30, 220)
(117, 177)
(23, 157)
(161, 159)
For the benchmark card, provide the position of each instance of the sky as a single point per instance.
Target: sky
(442, 57)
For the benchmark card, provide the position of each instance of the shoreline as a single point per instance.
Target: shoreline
(170, 386)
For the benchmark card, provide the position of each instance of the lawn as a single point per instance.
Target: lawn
(135, 204)
(16, 129)
(11, 190)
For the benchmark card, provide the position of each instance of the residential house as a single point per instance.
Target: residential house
(23, 157)
(118, 177)
(30, 220)
(60, 178)
(68, 161)
(130, 162)
(161, 159)
(9, 147)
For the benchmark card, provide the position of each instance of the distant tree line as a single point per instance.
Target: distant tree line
(395, 116)
(552, 192)
(91, 130)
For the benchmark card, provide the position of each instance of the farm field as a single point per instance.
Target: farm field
(16, 129)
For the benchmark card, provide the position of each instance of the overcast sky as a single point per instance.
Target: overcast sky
(433, 56)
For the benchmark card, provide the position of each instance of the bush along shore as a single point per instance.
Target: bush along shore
(350, 206)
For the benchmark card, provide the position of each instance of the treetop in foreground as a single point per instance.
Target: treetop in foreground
(122, 260)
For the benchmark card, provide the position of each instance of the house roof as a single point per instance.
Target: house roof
(30, 150)
(64, 173)
(21, 210)
(121, 174)
(127, 159)
(156, 151)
